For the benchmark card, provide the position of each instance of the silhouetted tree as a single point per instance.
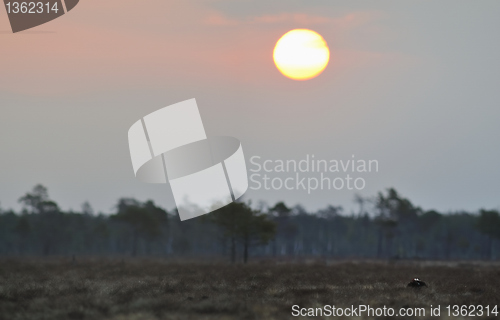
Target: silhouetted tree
(286, 229)
(23, 230)
(488, 224)
(240, 223)
(143, 219)
(87, 209)
(37, 201)
(361, 202)
(390, 226)
(49, 219)
(254, 228)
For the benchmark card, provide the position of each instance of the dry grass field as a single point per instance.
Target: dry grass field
(161, 289)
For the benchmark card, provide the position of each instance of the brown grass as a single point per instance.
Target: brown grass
(160, 289)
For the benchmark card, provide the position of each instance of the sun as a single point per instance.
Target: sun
(301, 54)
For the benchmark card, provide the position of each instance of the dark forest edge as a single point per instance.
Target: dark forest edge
(387, 226)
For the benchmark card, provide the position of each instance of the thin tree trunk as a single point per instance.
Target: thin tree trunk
(134, 243)
(46, 248)
(245, 252)
(233, 249)
(490, 247)
(379, 244)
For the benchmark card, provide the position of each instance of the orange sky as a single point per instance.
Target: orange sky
(119, 43)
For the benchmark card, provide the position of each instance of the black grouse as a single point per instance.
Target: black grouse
(417, 283)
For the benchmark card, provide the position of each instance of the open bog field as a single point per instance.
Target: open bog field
(160, 289)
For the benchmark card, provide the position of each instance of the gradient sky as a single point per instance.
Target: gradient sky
(412, 84)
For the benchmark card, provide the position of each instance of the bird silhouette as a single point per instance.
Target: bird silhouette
(416, 283)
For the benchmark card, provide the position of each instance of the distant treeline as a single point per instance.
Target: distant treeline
(387, 226)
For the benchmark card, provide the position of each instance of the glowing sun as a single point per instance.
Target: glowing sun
(301, 54)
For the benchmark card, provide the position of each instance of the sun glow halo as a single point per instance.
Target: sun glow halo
(301, 54)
